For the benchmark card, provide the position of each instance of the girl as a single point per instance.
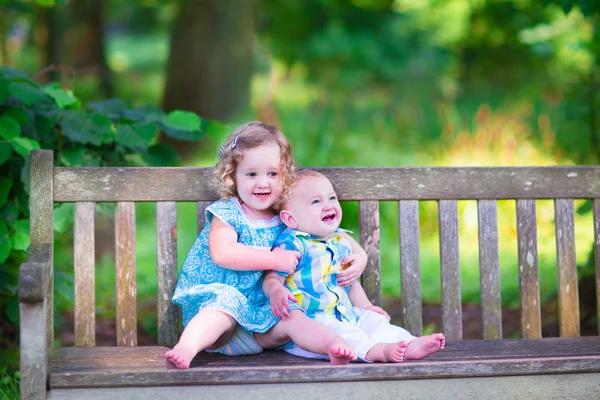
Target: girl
(219, 289)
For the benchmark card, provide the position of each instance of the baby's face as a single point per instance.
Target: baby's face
(314, 206)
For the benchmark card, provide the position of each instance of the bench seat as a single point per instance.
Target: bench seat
(538, 365)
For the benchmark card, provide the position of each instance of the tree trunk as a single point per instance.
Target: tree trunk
(211, 58)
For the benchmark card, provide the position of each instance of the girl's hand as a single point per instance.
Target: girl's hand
(284, 260)
(279, 301)
(357, 263)
(378, 310)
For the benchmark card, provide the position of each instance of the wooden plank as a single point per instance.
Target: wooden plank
(201, 214)
(597, 257)
(65, 359)
(33, 350)
(126, 275)
(450, 269)
(369, 240)
(568, 292)
(481, 358)
(84, 273)
(166, 244)
(410, 267)
(41, 217)
(364, 183)
(552, 387)
(529, 286)
(489, 270)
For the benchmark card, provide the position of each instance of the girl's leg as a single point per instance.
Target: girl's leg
(209, 328)
(309, 335)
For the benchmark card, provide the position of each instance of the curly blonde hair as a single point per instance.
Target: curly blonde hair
(231, 153)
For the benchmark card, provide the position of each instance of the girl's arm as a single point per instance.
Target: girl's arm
(357, 260)
(228, 253)
(278, 294)
(359, 298)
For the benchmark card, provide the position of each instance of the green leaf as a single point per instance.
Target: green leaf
(26, 92)
(20, 238)
(111, 108)
(588, 7)
(86, 127)
(5, 152)
(9, 212)
(12, 309)
(145, 113)
(23, 146)
(25, 174)
(64, 215)
(63, 98)
(45, 3)
(5, 185)
(5, 243)
(161, 155)
(18, 114)
(182, 120)
(140, 134)
(73, 157)
(9, 128)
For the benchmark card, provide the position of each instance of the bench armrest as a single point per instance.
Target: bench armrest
(36, 274)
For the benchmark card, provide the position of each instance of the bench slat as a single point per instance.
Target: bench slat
(369, 240)
(568, 292)
(364, 183)
(450, 269)
(529, 286)
(84, 274)
(597, 256)
(489, 269)
(166, 269)
(201, 210)
(126, 275)
(410, 267)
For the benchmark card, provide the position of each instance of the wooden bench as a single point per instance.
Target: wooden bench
(494, 367)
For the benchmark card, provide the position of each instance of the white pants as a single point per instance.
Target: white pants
(370, 329)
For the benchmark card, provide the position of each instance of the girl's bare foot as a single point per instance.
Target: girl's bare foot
(341, 354)
(423, 346)
(178, 358)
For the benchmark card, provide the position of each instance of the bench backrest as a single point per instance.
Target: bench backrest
(447, 185)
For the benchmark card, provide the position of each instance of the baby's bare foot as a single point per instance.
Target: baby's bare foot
(394, 352)
(178, 358)
(341, 353)
(425, 345)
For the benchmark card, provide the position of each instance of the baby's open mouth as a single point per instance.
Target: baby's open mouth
(329, 217)
(261, 195)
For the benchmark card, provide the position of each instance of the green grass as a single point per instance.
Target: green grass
(9, 385)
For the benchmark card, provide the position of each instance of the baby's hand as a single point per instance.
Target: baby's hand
(378, 310)
(357, 263)
(279, 302)
(285, 260)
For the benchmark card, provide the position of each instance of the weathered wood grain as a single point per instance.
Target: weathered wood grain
(568, 292)
(201, 214)
(365, 183)
(84, 274)
(41, 217)
(529, 285)
(596, 207)
(126, 274)
(33, 350)
(410, 267)
(489, 270)
(166, 245)
(369, 240)
(450, 269)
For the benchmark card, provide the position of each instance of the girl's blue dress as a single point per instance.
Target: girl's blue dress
(203, 284)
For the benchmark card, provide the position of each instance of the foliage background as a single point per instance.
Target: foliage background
(350, 82)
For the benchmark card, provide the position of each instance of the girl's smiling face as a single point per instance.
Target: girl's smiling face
(258, 180)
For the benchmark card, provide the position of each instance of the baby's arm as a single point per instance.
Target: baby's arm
(277, 294)
(357, 260)
(359, 298)
(228, 253)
